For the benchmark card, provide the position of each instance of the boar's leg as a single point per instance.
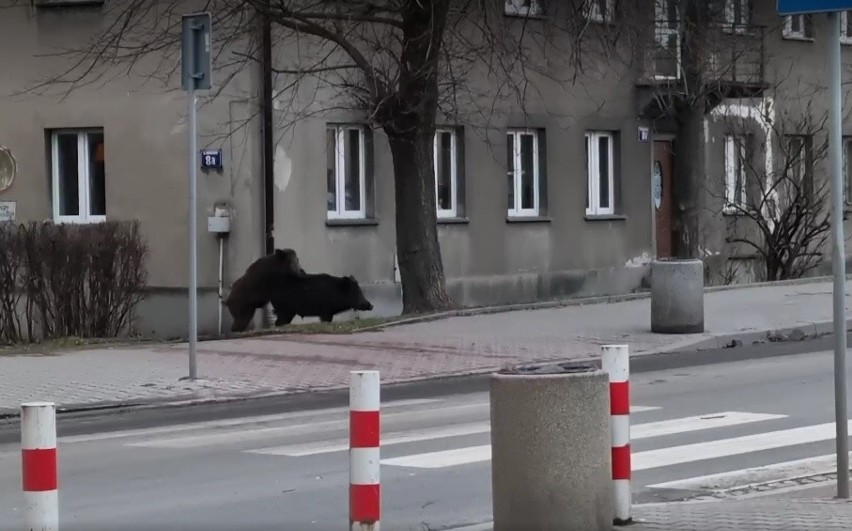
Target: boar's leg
(241, 321)
(327, 317)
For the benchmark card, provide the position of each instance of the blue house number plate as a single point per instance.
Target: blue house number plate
(211, 159)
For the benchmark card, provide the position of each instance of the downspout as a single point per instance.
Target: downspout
(268, 145)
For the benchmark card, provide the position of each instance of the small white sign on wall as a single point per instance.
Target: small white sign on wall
(644, 134)
(8, 210)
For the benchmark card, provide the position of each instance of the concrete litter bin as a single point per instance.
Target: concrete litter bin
(677, 296)
(550, 442)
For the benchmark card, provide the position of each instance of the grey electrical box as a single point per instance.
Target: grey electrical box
(219, 224)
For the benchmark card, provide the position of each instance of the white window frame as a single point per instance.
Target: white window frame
(803, 23)
(514, 8)
(845, 37)
(732, 24)
(733, 165)
(517, 177)
(592, 10)
(802, 163)
(662, 32)
(453, 210)
(594, 207)
(340, 176)
(83, 179)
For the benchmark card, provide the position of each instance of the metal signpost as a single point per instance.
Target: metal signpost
(195, 75)
(838, 258)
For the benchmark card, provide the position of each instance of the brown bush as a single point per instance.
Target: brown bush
(76, 280)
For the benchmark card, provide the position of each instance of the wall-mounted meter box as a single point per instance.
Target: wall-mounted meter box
(219, 224)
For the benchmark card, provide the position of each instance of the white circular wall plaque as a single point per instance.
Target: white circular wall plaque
(657, 184)
(8, 168)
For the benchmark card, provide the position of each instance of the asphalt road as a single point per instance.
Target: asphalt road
(289, 470)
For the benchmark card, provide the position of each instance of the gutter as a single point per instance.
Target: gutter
(268, 143)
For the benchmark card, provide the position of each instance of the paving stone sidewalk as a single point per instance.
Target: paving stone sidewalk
(744, 515)
(289, 363)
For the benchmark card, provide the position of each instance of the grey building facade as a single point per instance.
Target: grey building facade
(558, 199)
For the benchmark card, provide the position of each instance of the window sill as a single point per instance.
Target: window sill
(529, 219)
(356, 222)
(798, 38)
(453, 221)
(605, 217)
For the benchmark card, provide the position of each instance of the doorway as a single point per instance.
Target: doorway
(661, 189)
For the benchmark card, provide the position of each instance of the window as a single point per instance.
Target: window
(346, 172)
(446, 172)
(599, 10)
(522, 160)
(737, 15)
(78, 176)
(600, 196)
(798, 27)
(524, 8)
(735, 174)
(846, 27)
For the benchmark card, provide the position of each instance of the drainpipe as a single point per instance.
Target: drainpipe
(268, 145)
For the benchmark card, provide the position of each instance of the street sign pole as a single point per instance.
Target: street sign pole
(196, 62)
(838, 255)
(833, 8)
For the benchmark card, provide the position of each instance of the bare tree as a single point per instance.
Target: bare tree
(777, 201)
(402, 63)
(701, 53)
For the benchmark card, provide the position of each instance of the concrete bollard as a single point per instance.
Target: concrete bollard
(39, 466)
(550, 444)
(677, 296)
(364, 449)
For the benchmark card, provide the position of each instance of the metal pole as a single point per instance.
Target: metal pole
(193, 257)
(838, 257)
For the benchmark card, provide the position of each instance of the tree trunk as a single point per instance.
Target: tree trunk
(409, 121)
(689, 181)
(420, 264)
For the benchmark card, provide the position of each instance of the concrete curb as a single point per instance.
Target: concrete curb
(579, 301)
(798, 333)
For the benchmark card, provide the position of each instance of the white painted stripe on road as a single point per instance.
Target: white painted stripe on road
(703, 451)
(477, 454)
(231, 437)
(446, 458)
(226, 423)
(698, 422)
(487, 526)
(787, 470)
(340, 445)
(642, 409)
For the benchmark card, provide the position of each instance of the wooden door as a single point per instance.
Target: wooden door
(661, 188)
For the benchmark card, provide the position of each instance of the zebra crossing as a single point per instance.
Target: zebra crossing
(438, 435)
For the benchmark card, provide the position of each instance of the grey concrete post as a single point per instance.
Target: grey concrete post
(550, 442)
(677, 296)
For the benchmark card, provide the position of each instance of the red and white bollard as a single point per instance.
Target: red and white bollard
(616, 361)
(364, 465)
(39, 466)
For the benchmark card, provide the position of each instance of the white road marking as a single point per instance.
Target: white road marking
(179, 428)
(477, 454)
(703, 451)
(487, 526)
(341, 445)
(652, 429)
(230, 437)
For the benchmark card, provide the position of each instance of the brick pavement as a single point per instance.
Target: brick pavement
(745, 515)
(452, 346)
